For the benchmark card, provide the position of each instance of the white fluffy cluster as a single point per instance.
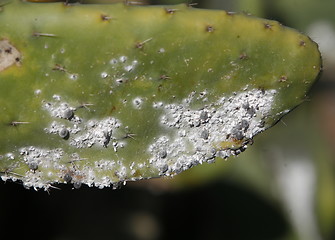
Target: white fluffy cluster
(188, 137)
(220, 130)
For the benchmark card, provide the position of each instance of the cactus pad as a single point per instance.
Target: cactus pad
(104, 94)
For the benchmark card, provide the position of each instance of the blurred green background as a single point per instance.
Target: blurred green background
(282, 188)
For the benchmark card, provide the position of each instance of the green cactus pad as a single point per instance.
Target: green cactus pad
(104, 94)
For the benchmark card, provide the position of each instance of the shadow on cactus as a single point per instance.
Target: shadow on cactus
(104, 94)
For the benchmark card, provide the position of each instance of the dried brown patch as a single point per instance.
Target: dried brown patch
(9, 55)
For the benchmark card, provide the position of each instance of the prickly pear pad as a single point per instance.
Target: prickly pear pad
(104, 94)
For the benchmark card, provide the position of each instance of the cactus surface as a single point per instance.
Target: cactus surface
(104, 94)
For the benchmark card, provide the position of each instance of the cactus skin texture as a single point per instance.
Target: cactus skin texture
(104, 94)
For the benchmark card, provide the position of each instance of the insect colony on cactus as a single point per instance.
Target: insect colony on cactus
(104, 94)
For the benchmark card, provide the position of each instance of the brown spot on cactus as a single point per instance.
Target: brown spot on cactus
(302, 43)
(58, 67)
(164, 77)
(170, 10)
(268, 26)
(283, 78)
(243, 56)
(9, 55)
(209, 28)
(105, 17)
